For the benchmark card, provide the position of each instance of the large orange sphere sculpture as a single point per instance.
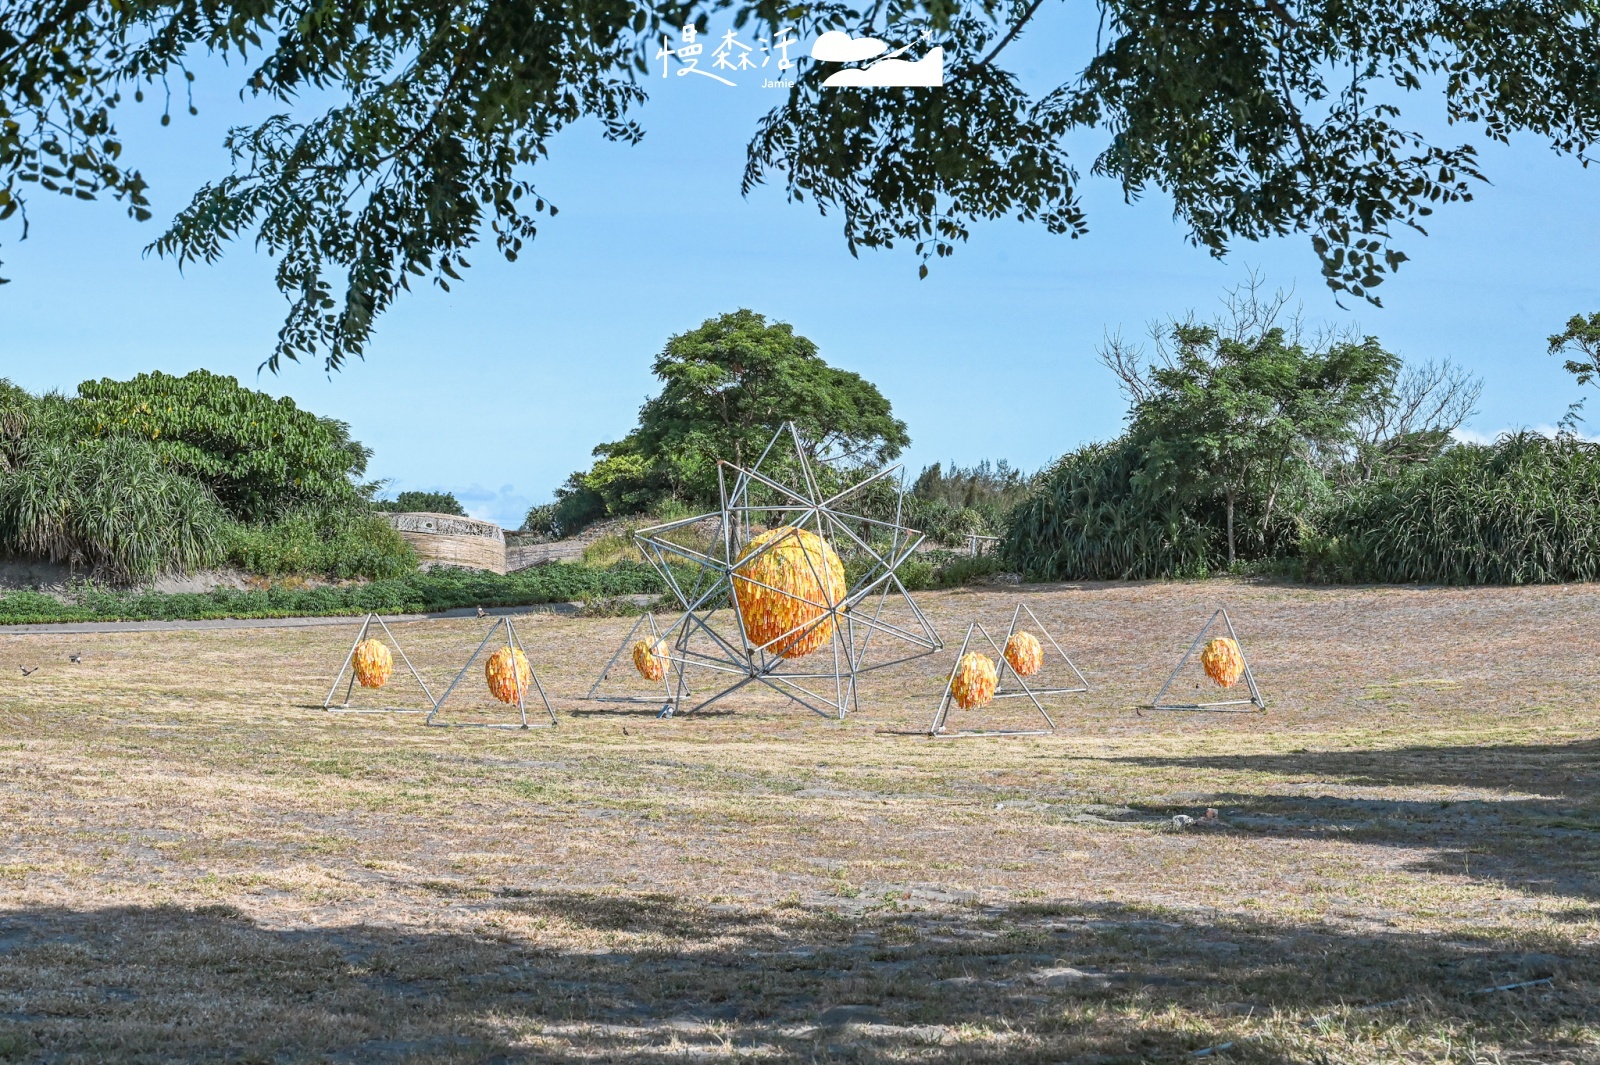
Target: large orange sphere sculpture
(790, 585)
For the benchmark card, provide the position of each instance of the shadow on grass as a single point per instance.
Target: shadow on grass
(1549, 842)
(1028, 984)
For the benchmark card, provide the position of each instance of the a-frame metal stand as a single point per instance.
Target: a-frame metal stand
(1224, 706)
(669, 697)
(515, 642)
(939, 727)
(1083, 683)
(345, 707)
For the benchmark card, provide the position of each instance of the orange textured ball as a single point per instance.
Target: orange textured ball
(973, 683)
(786, 582)
(373, 664)
(508, 674)
(1025, 653)
(650, 659)
(1222, 661)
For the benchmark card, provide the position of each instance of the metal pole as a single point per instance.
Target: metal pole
(328, 702)
(1185, 658)
(492, 630)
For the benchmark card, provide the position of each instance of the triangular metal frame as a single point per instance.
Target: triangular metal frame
(1083, 682)
(345, 707)
(669, 699)
(514, 641)
(1222, 706)
(711, 589)
(938, 728)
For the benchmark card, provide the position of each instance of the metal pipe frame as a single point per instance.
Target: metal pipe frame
(713, 587)
(939, 730)
(345, 707)
(1221, 706)
(513, 641)
(656, 635)
(1082, 680)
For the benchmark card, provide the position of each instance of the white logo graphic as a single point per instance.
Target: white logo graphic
(888, 72)
(732, 56)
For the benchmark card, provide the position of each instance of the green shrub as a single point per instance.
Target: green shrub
(34, 605)
(541, 519)
(931, 569)
(1089, 519)
(1523, 510)
(966, 568)
(417, 592)
(576, 508)
(333, 543)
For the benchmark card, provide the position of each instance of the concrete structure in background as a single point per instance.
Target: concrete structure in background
(448, 540)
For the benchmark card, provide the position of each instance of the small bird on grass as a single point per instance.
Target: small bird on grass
(74, 658)
(482, 613)
(26, 670)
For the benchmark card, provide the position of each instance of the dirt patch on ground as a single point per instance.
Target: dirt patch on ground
(197, 862)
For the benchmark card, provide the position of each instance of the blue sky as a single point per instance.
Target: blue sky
(500, 388)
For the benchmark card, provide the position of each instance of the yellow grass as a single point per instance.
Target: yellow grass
(198, 863)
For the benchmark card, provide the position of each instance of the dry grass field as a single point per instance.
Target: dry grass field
(197, 863)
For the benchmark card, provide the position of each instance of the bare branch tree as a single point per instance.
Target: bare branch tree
(1126, 361)
(1248, 313)
(1416, 417)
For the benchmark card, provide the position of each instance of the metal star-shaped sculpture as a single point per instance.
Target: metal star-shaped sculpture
(763, 582)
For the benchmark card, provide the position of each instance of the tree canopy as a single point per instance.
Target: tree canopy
(262, 456)
(1248, 438)
(726, 387)
(1233, 416)
(1256, 117)
(431, 502)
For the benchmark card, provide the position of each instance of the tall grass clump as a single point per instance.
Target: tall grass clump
(1088, 518)
(1523, 510)
(111, 506)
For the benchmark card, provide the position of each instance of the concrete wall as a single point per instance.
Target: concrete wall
(448, 540)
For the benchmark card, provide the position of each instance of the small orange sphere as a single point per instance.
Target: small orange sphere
(508, 674)
(973, 683)
(373, 664)
(650, 659)
(1223, 661)
(1024, 653)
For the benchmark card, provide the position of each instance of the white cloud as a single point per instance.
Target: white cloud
(1473, 436)
(836, 46)
(505, 506)
(927, 72)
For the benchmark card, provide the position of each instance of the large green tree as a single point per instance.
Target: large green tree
(1255, 117)
(1236, 415)
(726, 386)
(261, 455)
